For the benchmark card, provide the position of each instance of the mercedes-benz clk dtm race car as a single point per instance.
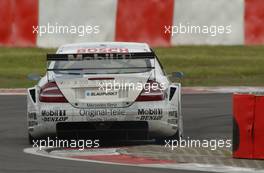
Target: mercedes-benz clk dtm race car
(112, 90)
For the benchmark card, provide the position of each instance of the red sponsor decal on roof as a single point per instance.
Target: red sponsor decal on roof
(102, 50)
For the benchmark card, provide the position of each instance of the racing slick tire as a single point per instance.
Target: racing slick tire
(31, 139)
(161, 141)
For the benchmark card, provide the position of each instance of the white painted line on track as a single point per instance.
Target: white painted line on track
(176, 166)
(13, 94)
(14, 91)
(92, 152)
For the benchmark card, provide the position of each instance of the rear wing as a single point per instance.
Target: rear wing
(99, 56)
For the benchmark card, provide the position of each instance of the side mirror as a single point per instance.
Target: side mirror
(34, 77)
(177, 75)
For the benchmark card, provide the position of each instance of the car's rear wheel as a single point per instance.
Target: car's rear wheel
(31, 139)
(161, 141)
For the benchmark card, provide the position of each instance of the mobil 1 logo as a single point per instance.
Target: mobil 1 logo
(150, 114)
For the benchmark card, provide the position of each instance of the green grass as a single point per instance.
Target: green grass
(202, 65)
(17, 63)
(216, 65)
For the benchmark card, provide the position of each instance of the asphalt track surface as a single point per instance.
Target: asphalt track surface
(205, 116)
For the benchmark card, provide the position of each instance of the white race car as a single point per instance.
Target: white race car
(109, 90)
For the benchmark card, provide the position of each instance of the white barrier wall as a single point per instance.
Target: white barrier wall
(100, 13)
(210, 12)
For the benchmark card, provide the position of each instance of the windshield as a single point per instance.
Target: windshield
(103, 66)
